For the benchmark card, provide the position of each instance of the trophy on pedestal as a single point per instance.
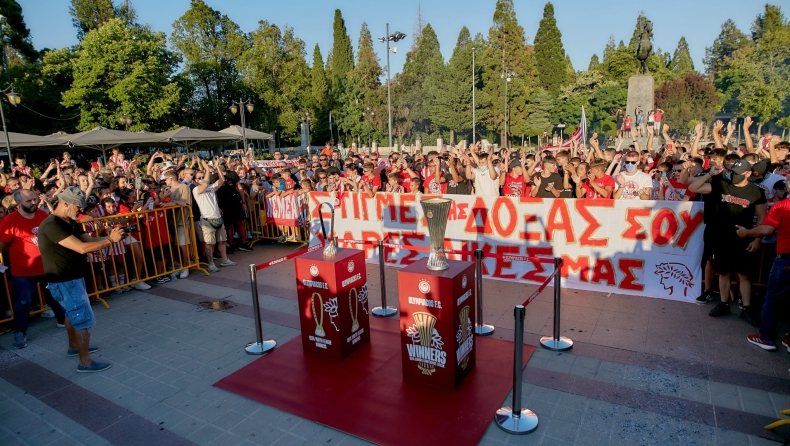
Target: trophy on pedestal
(436, 212)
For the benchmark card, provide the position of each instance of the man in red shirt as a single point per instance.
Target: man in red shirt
(435, 183)
(777, 295)
(369, 182)
(516, 183)
(19, 243)
(598, 184)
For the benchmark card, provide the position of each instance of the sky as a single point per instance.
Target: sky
(585, 24)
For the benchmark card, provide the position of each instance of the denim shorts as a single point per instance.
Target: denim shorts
(74, 299)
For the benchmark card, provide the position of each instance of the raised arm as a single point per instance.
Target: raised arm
(747, 137)
(717, 126)
(665, 134)
(697, 138)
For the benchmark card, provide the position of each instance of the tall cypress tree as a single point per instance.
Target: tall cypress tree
(681, 60)
(549, 54)
(730, 40)
(342, 53)
(506, 48)
(594, 62)
(452, 107)
(420, 81)
(319, 88)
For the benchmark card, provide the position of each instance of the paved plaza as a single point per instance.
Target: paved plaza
(642, 370)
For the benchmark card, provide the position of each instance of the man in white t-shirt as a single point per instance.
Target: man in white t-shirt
(633, 183)
(211, 223)
(485, 175)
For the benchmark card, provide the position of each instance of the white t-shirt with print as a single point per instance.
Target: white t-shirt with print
(633, 184)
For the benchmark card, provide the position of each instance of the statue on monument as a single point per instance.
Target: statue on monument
(644, 46)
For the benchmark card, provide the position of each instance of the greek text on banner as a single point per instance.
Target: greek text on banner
(644, 248)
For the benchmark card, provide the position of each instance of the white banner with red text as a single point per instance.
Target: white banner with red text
(290, 210)
(644, 248)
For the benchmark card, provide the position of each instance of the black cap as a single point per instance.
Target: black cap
(741, 167)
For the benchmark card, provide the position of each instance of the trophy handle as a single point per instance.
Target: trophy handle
(330, 250)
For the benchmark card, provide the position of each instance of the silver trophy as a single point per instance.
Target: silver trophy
(330, 250)
(436, 211)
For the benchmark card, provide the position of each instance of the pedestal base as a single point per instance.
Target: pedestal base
(254, 348)
(523, 424)
(558, 345)
(384, 312)
(484, 330)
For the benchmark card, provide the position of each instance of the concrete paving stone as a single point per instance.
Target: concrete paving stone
(755, 395)
(552, 441)
(157, 390)
(178, 399)
(187, 426)
(493, 432)
(228, 420)
(636, 377)
(264, 434)
(285, 421)
(760, 408)
(45, 438)
(592, 437)
(171, 418)
(759, 441)
(780, 402)
(609, 376)
(561, 430)
(205, 434)
(194, 406)
(547, 395)
(305, 429)
(532, 439)
(289, 440)
(64, 441)
(664, 383)
(726, 437)
(354, 441)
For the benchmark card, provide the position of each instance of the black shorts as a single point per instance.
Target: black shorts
(708, 241)
(732, 256)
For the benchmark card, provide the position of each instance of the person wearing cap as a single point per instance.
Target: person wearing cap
(63, 245)
(764, 178)
(515, 183)
(777, 295)
(734, 201)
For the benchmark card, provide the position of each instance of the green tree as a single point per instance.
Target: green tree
(681, 59)
(603, 106)
(87, 15)
(594, 62)
(452, 108)
(18, 32)
(319, 84)
(729, 40)
(770, 20)
(362, 89)
(550, 59)
(121, 70)
(274, 68)
(618, 63)
(540, 107)
(342, 53)
(419, 83)
(507, 49)
(211, 44)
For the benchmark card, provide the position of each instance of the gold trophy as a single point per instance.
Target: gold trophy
(330, 250)
(319, 322)
(436, 211)
(353, 310)
(425, 323)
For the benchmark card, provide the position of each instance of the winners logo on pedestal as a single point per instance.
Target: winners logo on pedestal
(426, 346)
(464, 338)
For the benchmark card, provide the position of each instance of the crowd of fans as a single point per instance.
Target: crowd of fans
(737, 184)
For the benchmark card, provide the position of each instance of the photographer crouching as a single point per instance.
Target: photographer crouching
(63, 244)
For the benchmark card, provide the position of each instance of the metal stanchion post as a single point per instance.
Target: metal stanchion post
(260, 346)
(481, 328)
(514, 419)
(556, 342)
(383, 310)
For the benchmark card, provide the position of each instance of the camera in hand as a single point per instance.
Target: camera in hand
(130, 228)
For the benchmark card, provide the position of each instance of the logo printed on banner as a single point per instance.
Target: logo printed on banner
(674, 275)
(463, 282)
(351, 266)
(314, 270)
(464, 338)
(426, 346)
(424, 286)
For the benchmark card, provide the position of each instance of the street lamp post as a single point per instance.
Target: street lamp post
(507, 76)
(368, 113)
(234, 107)
(560, 126)
(126, 121)
(13, 97)
(474, 79)
(307, 118)
(394, 37)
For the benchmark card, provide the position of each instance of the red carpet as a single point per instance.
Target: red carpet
(365, 395)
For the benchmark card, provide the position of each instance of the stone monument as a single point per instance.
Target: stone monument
(641, 85)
